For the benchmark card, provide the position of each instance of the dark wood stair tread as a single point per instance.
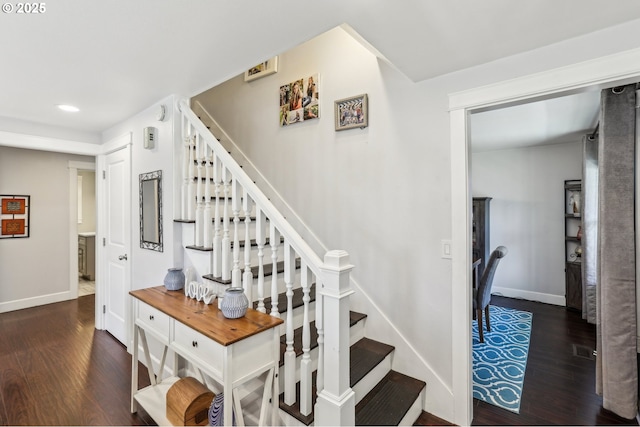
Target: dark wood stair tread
(354, 318)
(282, 299)
(241, 244)
(428, 419)
(364, 355)
(388, 402)
(267, 268)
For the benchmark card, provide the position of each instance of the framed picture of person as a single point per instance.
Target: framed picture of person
(299, 100)
(352, 112)
(262, 69)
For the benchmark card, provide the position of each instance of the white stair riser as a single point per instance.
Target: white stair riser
(189, 238)
(366, 384)
(354, 332)
(199, 262)
(298, 317)
(414, 412)
(221, 207)
(314, 367)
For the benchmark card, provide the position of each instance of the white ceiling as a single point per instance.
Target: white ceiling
(553, 121)
(115, 58)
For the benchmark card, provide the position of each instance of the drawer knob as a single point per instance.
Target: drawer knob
(194, 343)
(151, 317)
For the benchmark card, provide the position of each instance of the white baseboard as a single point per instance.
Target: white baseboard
(529, 295)
(36, 301)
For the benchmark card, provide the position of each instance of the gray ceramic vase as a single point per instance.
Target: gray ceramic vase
(174, 280)
(234, 304)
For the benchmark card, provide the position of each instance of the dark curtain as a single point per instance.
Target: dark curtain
(616, 366)
(589, 240)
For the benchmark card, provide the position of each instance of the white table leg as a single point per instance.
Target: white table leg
(134, 370)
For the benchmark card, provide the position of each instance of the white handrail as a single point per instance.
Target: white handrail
(302, 248)
(335, 398)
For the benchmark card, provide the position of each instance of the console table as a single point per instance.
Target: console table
(231, 351)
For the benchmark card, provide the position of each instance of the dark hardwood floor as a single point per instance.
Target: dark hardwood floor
(57, 369)
(559, 386)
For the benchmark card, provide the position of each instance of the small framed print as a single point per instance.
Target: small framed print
(13, 206)
(262, 69)
(14, 216)
(352, 112)
(13, 227)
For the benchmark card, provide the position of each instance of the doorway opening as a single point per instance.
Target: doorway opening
(82, 229)
(599, 73)
(86, 232)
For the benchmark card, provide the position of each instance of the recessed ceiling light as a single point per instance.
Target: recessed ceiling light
(68, 108)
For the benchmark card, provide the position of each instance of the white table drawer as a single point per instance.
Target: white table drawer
(197, 346)
(154, 320)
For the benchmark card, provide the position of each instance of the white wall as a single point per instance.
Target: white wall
(148, 267)
(33, 270)
(88, 223)
(382, 193)
(527, 215)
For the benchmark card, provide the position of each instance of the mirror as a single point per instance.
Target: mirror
(151, 211)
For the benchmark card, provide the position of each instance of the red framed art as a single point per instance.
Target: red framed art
(14, 216)
(14, 206)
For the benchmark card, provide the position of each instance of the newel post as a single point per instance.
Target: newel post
(335, 404)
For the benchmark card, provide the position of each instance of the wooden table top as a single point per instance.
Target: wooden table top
(206, 319)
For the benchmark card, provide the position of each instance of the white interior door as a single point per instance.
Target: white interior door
(118, 242)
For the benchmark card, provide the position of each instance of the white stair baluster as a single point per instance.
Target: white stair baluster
(274, 239)
(207, 241)
(226, 238)
(320, 330)
(260, 240)
(199, 192)
(217, 233)
(290, 354)
(247, 277)
(236, 273)
(305, 364)
(186, 143)
(191, 190)
(335, 401)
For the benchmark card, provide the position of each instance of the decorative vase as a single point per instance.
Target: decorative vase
(575, 202)
(234, 304)
(579, 233)
(216, 411)
(174, 280)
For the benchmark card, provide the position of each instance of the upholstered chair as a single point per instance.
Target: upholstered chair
(482, 294)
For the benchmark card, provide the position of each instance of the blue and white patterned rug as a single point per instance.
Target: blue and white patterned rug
(499, 363)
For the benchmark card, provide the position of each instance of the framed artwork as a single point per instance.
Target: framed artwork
(352, 112)
(14, 216)
(262, 69)
(299, 101)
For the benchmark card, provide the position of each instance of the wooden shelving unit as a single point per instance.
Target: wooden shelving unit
(572, 243)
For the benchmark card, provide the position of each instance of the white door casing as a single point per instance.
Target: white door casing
(74, 167)
(612, 70)
(117, 243)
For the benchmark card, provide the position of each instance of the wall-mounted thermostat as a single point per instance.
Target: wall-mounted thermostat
(150, 135)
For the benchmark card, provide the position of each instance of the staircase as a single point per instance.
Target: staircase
(233, 236)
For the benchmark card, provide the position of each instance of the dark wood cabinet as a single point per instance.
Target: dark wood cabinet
(480, 231)
(572, 243)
